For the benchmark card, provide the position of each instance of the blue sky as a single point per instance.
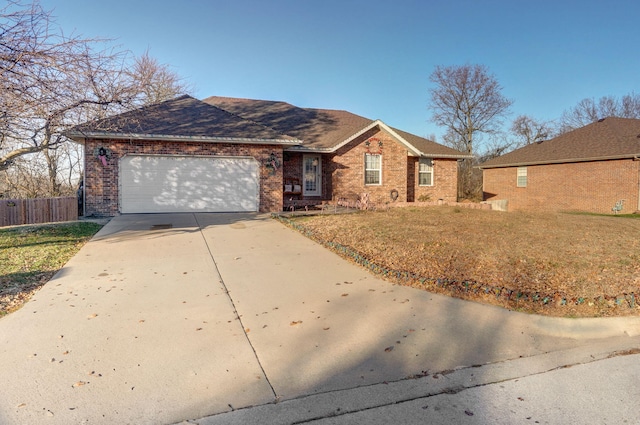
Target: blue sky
(374, 58)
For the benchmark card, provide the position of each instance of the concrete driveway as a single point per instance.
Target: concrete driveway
(168, 317)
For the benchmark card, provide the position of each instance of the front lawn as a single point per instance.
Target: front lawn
(31, 255)
(549, 263)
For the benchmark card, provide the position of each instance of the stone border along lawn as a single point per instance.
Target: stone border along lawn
(475, 290)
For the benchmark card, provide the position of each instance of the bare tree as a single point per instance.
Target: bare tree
(630, 106)
(590, 110)
(528, 130)
(155, 82)
(51, 82)
(469, 176)
(467, 100)
(26, 178)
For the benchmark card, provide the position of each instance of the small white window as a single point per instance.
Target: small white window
(372, 168)
(425, 172)
(522, 177)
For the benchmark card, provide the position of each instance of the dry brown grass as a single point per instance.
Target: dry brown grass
(556, 264)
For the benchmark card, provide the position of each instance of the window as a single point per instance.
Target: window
(522, 177)
(425, 172)
(372, 168)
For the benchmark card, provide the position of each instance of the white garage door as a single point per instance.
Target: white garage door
(150, 184)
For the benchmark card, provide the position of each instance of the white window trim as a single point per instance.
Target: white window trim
(372, 169)
(522, 173)
(426, 172)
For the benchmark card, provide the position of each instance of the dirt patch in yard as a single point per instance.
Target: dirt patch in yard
(549, 263)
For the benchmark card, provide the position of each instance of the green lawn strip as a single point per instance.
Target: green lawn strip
(30, 255)
(634, 215)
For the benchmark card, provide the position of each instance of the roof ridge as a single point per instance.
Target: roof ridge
(614, 126)
(248, 100)
(247, 119)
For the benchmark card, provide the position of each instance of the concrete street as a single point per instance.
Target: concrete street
(234, 318)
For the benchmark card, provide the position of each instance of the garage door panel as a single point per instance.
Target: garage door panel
(188, 184)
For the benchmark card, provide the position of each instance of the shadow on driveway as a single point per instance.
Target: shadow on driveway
(167, 317)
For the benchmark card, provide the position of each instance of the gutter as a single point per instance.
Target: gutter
(634, 157)
(388, 129)
(79, 137)
(444, 155)
(305, 149)
(637, 158)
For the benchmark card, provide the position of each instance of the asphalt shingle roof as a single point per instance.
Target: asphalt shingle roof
(317, 128)
(224, 118)
(428, 147)
(608, 138)
(182, 117)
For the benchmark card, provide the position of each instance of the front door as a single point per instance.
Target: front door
(312, 172)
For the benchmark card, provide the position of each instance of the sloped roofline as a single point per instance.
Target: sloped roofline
(561, 161)
(378, 123)
(194, 110)
(611, 138)
(79, 137)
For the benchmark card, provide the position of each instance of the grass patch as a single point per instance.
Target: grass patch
(635, 215)
(550, 263)
(31, 255)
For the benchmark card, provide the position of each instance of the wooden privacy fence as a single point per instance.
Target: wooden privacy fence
(39, 210)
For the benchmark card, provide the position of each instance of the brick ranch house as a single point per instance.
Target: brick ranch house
(595, 168)
(233, 155)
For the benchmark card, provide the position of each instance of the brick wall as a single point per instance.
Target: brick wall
(347, 168)
(583, 186)
(101, 183)
(343, 172)
(445, 179)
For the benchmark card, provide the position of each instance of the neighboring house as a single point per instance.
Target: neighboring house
(595, 168)
(224, 154)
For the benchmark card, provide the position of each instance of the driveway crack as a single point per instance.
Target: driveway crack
(235, 311)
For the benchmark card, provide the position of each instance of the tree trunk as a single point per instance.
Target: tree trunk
(52, 169)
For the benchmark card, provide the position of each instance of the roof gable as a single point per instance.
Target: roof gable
(608, 138)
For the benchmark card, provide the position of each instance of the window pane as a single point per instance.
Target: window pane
(522, 177)
(372, 162)
(372, 168)
(425, 172)
(425, 164)
(425, 179)
(372, 177)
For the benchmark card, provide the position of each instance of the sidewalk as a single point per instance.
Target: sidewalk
(583, 385)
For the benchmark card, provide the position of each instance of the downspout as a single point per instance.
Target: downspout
(84, 179)
(637, 159)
